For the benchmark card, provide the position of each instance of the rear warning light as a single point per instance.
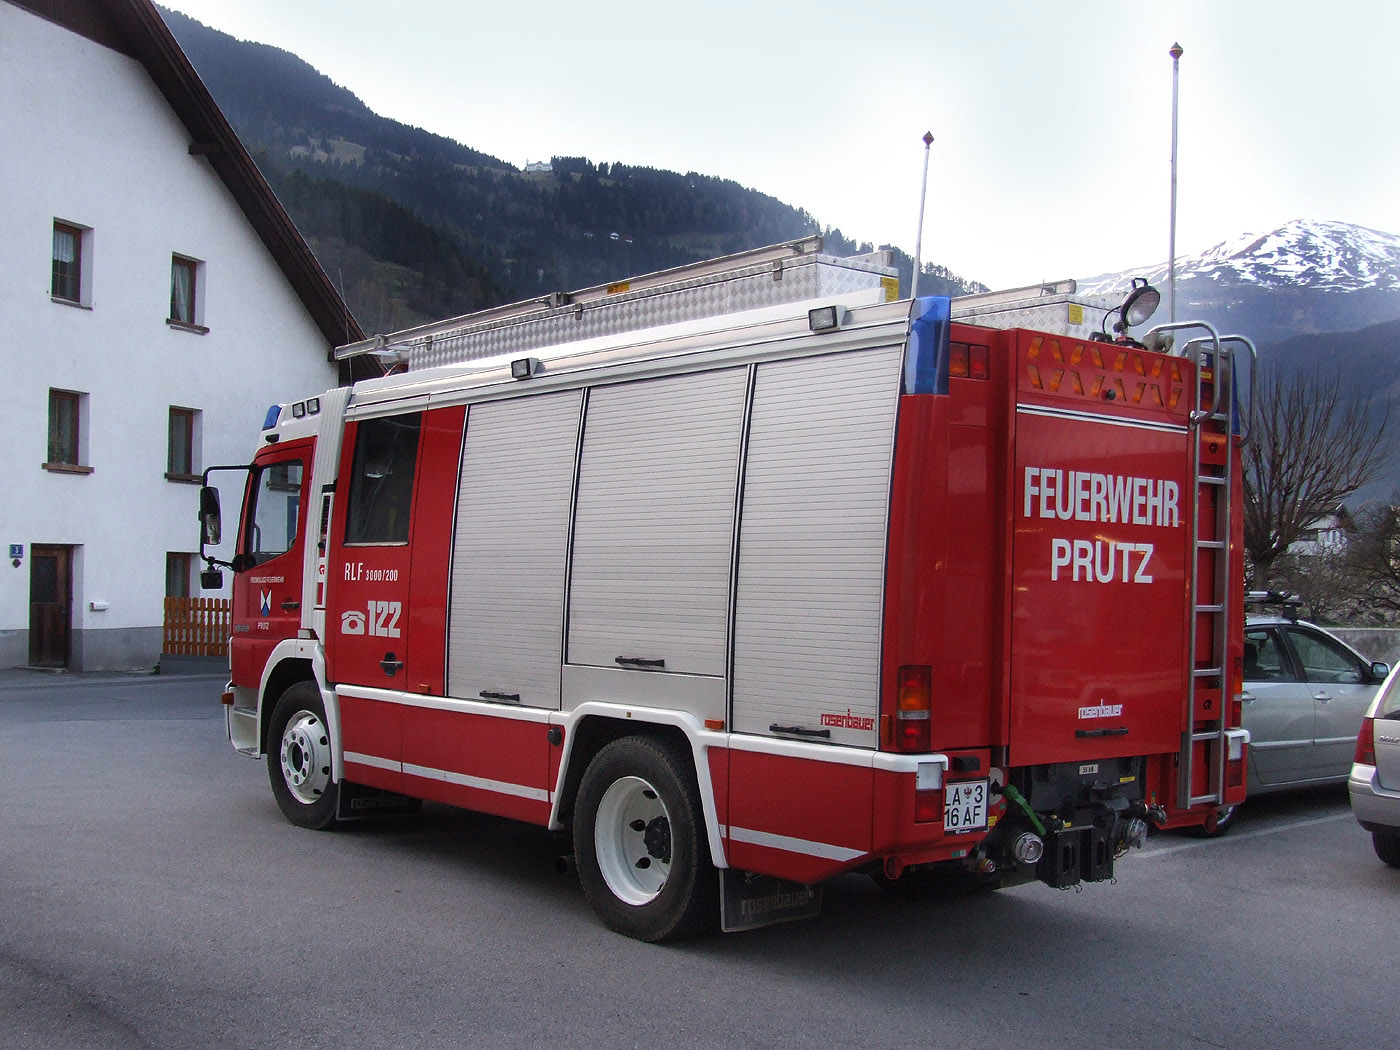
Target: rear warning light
(1366, 743)
(913, 702)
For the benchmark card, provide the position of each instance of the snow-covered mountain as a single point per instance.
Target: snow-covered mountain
(1305, 277)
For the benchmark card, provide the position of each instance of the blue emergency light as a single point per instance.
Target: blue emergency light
(926, 358)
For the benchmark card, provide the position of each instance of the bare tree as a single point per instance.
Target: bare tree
(1309, 450)
(1374, 554)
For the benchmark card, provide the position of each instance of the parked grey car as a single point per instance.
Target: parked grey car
(1374, 783)
(1305, 693)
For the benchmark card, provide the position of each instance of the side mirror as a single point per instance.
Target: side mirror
(1380, 671)
(211, 579)
(210, 520)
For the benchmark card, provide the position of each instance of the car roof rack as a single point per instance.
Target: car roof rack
(1285, 603)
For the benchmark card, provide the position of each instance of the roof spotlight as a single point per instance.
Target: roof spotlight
(1138, 305)
(1141, 303)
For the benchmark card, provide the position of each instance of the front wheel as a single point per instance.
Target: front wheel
(1387, 846)
(299, 758)
(639, 839)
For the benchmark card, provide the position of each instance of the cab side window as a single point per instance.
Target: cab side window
(381, 480)
(272, 525)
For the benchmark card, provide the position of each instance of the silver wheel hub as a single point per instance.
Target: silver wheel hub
(632, 837)
(306, 757)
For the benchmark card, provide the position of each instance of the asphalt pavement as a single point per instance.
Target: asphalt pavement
(153, 896)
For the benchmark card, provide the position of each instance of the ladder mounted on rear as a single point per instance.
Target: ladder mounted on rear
(1218, 415)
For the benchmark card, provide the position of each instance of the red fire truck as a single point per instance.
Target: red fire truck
(748, 575)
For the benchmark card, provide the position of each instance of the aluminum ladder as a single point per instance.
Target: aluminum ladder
(1217, 412)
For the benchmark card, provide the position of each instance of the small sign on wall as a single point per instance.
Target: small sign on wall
(16, 553)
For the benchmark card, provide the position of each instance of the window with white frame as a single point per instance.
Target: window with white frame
(70, 280)
(186, 293)
(179, 570)
(183, 451)
(67, 444)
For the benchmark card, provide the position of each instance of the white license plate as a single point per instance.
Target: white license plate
(965, 805)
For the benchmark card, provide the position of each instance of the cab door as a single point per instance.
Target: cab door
(369, 559)
(267, 597)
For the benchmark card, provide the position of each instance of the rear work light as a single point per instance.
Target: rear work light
(1366, 743)
(913, 704)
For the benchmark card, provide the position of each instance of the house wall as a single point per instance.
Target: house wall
(89, 139)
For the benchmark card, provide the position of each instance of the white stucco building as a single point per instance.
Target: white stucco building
(156, 300)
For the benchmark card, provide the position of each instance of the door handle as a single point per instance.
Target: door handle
(391, 665)
(1247, 698)
(505, 698)
(290, 605)
(1322, 697)
(642, 662)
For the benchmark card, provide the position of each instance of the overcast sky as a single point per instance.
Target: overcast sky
(1052, 120)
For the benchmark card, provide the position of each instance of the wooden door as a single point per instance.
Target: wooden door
(50, 605)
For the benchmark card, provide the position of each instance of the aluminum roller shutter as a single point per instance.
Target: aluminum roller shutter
(655, 522)
(812, 544)
(510, 548)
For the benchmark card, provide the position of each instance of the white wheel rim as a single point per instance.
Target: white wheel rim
(306, 757)
(632, 837)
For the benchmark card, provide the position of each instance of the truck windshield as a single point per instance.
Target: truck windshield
(272, 518)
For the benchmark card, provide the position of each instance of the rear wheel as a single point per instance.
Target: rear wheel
(299, 758)
(1387, 846)
(639, 839)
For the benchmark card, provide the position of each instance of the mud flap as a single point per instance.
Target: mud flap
(358, 801)
(748, 901)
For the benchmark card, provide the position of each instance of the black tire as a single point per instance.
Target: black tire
(640, 843)
(299, 758)
(1223, 823)
(1387, 846)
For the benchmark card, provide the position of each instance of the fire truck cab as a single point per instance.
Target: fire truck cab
(750, 574)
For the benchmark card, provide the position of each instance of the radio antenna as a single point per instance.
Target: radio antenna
(919, 236)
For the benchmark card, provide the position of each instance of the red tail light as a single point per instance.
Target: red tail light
(978, 365)
(1366, 743)
(913, 704)
(928, 806)
(968, 362)
(1234, 773)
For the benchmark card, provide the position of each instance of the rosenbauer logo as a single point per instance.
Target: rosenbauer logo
(848, 721)
(1101, 711)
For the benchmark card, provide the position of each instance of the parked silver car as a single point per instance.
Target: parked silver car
(1374, 783)
(1305, 693)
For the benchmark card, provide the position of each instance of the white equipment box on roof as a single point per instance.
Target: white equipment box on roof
(786, 273)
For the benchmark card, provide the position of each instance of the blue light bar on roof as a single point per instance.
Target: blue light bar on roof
(926, 357)
(270, 420)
